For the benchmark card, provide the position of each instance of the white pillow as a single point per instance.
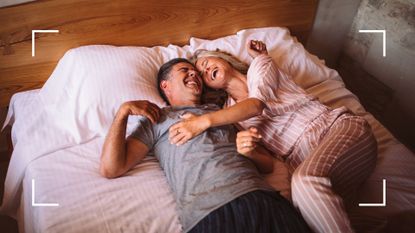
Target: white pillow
(91, 82)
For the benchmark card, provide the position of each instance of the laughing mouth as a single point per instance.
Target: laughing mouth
(190, 82)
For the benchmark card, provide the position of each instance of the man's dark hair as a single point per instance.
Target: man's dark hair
(164, 73)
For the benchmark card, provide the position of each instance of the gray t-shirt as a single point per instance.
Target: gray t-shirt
(206, 172)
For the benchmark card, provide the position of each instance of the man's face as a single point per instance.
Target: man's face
(183, 84)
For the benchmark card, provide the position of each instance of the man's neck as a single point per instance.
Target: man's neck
(184, 103)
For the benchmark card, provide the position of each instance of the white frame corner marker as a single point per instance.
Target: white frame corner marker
(40, 204)
(383, 35)
(383, 204)
(39, 31)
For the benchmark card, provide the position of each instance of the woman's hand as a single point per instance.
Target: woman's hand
(141, 107)
(190, 127)
(247, 145)
(256, 48)
(246, 141)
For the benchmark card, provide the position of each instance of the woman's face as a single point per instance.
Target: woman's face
(214, 71)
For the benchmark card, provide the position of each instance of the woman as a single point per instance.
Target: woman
(330, 152)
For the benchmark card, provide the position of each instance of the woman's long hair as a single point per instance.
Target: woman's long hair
(235, 62)
(210, 95)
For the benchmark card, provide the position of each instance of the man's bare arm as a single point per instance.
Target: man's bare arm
(118, 154)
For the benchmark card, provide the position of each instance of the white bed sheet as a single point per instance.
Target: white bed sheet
(141, 201)
(138, 202)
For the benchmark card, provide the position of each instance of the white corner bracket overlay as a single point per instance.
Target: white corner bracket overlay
(40, 204)
(39, 31)
(384, 37)
(383, 204)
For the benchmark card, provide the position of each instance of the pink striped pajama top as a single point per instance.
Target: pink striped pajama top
(289, 110)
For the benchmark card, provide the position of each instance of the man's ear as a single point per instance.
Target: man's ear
(164, 86)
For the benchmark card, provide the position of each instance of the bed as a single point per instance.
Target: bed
(58, 130)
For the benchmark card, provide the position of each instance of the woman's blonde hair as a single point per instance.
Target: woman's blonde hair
(235, 62)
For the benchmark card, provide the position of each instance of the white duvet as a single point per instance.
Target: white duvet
(58, 138)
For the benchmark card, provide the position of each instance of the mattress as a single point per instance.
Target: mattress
(142, 201)
(139, 202)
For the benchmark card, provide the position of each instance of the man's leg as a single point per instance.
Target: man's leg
(343, 159)
(257, 211)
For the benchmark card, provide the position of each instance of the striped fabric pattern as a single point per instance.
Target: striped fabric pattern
(329, 152)
(329, 170)
(257, 211)
(288, 107)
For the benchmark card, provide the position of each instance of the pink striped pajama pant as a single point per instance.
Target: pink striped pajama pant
(328, 165)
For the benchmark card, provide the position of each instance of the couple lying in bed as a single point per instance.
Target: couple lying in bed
(212, 169)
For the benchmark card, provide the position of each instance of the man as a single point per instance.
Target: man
(216, 189)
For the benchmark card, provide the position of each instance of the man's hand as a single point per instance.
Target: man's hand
(141, 107)
(256, 48)
(190, 127)
(118, 154)
(246, 141)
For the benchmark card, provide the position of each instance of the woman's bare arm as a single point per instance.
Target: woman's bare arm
(193, 125)
(247, 145)
(262, 159)
(239, 112)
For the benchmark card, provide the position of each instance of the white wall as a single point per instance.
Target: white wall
(331, 25)
(336, 39)
(397, 69)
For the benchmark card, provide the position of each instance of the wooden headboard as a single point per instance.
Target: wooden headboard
(126, 22)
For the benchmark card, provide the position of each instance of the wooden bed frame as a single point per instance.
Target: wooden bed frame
(126, 22)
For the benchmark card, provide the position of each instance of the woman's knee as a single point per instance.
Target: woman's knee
(304, 177)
